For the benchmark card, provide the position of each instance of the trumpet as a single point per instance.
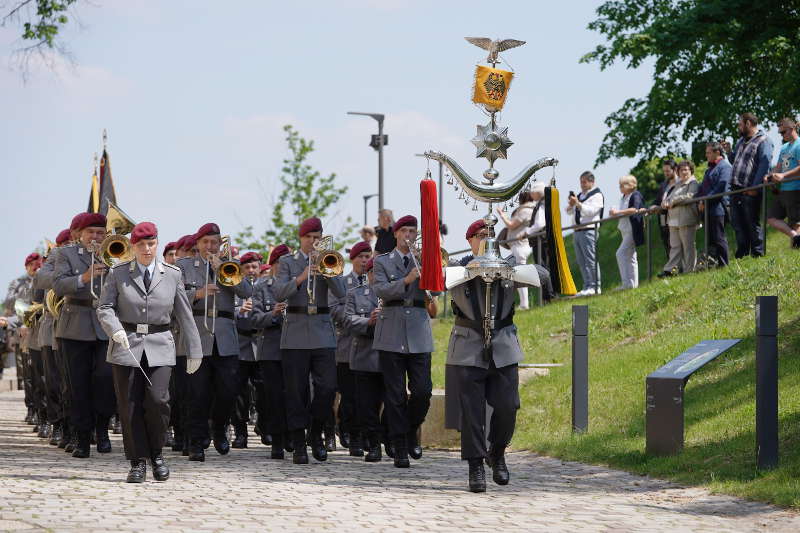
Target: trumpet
(327, 261)
(227, 274)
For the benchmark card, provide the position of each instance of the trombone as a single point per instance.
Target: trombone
(228, 274)
(328, 262)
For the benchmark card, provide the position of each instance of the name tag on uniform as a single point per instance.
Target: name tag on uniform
(80, 251)
(366, 292)
(268, 308)
(144, 329)
(197, 263)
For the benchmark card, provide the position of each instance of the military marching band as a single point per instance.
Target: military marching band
(178, 350)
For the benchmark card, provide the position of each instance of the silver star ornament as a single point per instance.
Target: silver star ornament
(491, 143)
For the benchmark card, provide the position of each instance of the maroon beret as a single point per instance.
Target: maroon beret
(32, 257)
(88, 220)
(263, 268)
(143, 230)
(359, 247)
(475, 227)
(249, 257)
(309, 225)
(170, 246)
(63, 237)
(206, 229)
(408, 220)
(369, 265)
(277, 252)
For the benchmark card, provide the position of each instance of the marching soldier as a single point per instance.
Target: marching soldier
(217, 379)
(178, 388)
(84, 342)
(20, 290)
(404, 339)
(170, 253)
(267, 318)
(170, 256)
(485, 376)
(138, 301)
(34, 350)
(361, 315)
(308, 342)
(249, 373)
(349, 436)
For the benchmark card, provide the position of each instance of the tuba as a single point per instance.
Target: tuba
(328, 262)
(116, 247)
(53, 303)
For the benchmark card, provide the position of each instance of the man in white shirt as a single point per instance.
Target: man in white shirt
(587, 207)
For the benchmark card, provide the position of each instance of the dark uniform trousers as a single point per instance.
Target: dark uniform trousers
(179, 403)
(38, 391)
(66, 383)
(24, 382)
(301, 411)
(174, 411)
(345, 382)
(214, 383)
(369, 392)
(404, 412)
(91, 384)
(274, 414)
(249, 373)
(143, 410)
(53, 386)
(478, 386)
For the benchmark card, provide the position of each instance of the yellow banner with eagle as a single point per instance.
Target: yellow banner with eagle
(491, 86)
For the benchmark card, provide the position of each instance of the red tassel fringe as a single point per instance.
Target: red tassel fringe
(432, 273)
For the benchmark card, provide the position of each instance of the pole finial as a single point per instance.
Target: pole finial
(105, 138)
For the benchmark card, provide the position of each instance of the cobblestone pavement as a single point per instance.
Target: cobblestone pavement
(41, 488)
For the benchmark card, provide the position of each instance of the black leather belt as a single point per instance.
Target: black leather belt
(247, 332)
(303, 310)
(405, 303)
(220, 314)
(145, 329)
(477, 325)
(79, 301)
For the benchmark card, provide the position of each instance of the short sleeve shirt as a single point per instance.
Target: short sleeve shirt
(788, 159)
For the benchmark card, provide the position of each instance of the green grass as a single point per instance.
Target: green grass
(634, 332)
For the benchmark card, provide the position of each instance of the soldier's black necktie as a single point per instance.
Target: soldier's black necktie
(405, 261)
(147, 279)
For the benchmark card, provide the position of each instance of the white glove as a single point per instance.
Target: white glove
(121, 338)
(192, 364)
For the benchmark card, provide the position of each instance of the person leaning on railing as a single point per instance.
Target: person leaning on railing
(668, 168)
(716, 180)
(784, 214)
(517, 227)
(632, 230)
(682, 220)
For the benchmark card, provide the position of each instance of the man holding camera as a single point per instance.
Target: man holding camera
(587, 207)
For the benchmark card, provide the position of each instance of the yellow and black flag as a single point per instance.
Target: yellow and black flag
(102, 191)
(558, 265)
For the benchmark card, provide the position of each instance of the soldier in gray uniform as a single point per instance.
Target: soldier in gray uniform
(139, 299)
(404, 339)
(361, 315)
(83, 340)
(215, 383)
(485, 376)
(20, 289)
(308, 343)
(249, 373)
(349, 435)
(33, 344)
(267, 318)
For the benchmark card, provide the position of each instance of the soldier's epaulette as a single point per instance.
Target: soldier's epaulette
(121, 264)
(172, 266)
(385, 253)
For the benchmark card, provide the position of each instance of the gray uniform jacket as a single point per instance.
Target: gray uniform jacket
(43, 280)
(343, 339)
(302, 331)
(360, 303)
(269, 325)
(124, 299)
(244, 326)
(401, 329)
(466, 344)
(78, 320)
(194, 277)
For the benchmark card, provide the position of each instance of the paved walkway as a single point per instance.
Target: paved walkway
(41, 487)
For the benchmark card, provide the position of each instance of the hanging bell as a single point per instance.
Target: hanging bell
(466, 201)
(505, 208)
(475, 206)
(461, 195)
(449, 179)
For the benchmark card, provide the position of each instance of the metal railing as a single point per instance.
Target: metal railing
(647, 214)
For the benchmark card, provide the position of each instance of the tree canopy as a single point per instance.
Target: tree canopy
(712, 60)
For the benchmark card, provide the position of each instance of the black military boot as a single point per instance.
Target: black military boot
(45, 430)
(73, 441)
(496, 460)
(29, 416)
(330, 439)
(389, 447)
(160, 468)
(344, 437)
(103, 442)
(277, 447)
(300, 454)
(319, 449)
(55, 436)
(401, 452)
(195, 451)
(221, 443)
(240, 440)
(288, 444)
(373, 445)
(169, 438)
(414, 448)
(82, 445)
(355, 445)
(138, 471)
(477, 476)
(185, 450)
(66, 436)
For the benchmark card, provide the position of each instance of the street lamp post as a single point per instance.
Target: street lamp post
(377, 142)
(366, 199)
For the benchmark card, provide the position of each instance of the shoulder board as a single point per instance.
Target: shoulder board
(385, 253)
(296, 255)
(120, 264)
(173, 267)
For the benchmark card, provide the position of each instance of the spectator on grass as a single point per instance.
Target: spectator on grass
(368, 235)
(386, 241)
(716, 180)
(784, 215)
(587, 207)
(668, 168)
(632, 229)
(517, 236)
(683, 220)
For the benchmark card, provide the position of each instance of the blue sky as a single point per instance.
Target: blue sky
(194, 96)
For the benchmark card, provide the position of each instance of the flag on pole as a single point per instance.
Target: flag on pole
(94, 193)
(105, 185)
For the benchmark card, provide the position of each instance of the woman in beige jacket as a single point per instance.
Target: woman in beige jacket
(683, 219)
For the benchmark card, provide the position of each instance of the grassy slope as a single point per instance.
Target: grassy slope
(635, 332)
